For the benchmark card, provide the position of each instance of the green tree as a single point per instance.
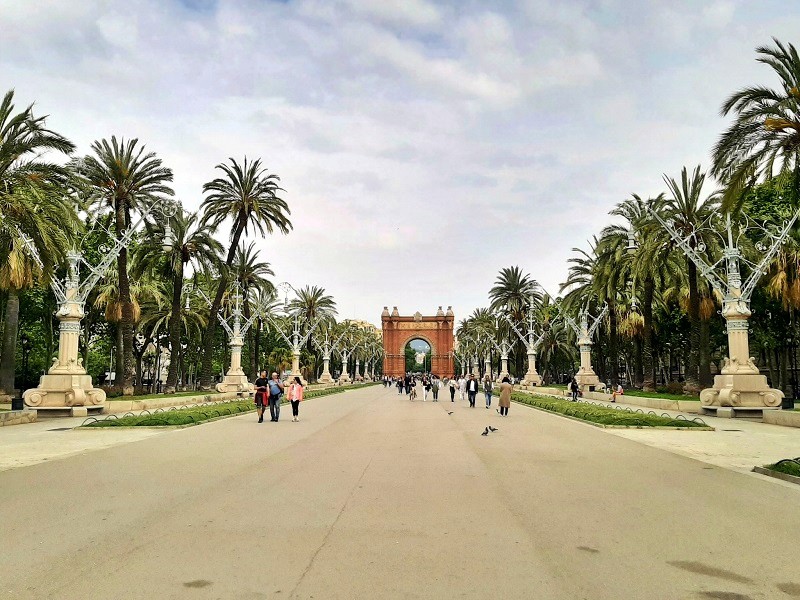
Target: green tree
(764, 139)
(252, 273)
(247, 195)
(689, 213)
(120, 175)
(32, 209)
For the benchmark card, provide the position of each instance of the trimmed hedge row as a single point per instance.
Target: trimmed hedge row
(602, 415)
(193, 415)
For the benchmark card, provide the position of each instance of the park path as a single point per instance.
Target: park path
(372, 496)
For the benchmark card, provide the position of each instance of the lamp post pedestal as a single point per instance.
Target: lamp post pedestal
(295, 367)
(532, 378)
(503, 367)
(586, 377)
(67, 389)
(739, 386)
(326, 376)
(344, 377)
(235, 380)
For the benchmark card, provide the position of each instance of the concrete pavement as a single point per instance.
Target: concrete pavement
(371, 496)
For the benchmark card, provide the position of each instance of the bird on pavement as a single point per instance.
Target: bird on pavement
(485, 431)
(492, 429)
(449, 412)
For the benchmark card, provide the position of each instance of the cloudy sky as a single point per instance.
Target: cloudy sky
(423, 145)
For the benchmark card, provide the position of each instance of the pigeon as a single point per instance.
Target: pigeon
(492, 429)
(485, 431)
(449, 412)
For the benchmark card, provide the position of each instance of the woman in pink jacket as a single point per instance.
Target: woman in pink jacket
(295, 397)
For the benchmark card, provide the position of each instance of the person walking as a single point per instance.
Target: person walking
(462, 386)
(426, 387)
(487, 391)
(573, 387)
(452, 385)
(275, 393)
(262, 397)
(472, 389)
(505, 396)
(295, 397)
(400, 385)
(437, 384)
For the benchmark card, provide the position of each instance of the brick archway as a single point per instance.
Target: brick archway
(436, 331)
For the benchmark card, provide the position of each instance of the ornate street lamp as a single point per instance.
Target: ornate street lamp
(740, 385)
(584, 329)
(67, 387)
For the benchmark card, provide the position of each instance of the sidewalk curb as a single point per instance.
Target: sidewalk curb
(777, 475)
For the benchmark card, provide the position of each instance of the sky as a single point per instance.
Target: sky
(422, 146)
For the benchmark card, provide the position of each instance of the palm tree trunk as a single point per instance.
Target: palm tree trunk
(128, 365)
(247, 313)
(613, 349)
(175, 330)
(255, 359)
(8, 359)
(118, 358)
(207, 375)
(704, 353)
(648, 383)
(692, 374)
(87, 324)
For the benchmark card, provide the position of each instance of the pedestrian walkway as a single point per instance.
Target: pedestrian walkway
(373, 496)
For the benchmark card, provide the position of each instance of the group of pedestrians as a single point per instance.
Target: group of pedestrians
(269, 393)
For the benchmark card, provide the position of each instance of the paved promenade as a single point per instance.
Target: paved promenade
(371, 496)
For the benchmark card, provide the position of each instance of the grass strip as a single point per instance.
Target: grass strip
(602, 415)
(193, 415)
(789, 466)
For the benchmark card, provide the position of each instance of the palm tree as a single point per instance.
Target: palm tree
(121, 175)
(252, 277)
(690, 214)
(247, 194)
(32, 208)
(764, 139)
(311, 302)
(190, 244)
(512, 294)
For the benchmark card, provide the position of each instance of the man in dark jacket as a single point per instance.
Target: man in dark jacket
(472, 389)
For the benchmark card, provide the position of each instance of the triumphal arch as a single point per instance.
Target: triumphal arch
(436, 330)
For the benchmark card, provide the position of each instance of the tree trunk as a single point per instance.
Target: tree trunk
(10, 329)
(255, 360)
(207, 375)
(174, 330)
(784, 357)
(637, 376)
(692, 373)
(127, 368)
(648, 368)
(118, 358)
(247, 313)
(704, 354)
(613, 350)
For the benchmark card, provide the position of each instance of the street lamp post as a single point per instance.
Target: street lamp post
(67, 387)
(584, 331)
(740, 385)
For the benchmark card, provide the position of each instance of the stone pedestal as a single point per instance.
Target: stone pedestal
(503, 368)
(295, 369)
(739, 385)
(586, 377)
(66, 384)
(326, 376)
(532, 378)
(344, 377)
(235, 380)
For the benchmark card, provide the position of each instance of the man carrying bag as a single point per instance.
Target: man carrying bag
(275, 393)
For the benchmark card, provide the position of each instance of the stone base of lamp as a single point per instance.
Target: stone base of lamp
(65, 394)
(532, 379)
(235, 383)
(589, 381)
(326, 378)
(344, 378)
(745, 393)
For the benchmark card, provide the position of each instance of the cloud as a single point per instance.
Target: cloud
(423, 146)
